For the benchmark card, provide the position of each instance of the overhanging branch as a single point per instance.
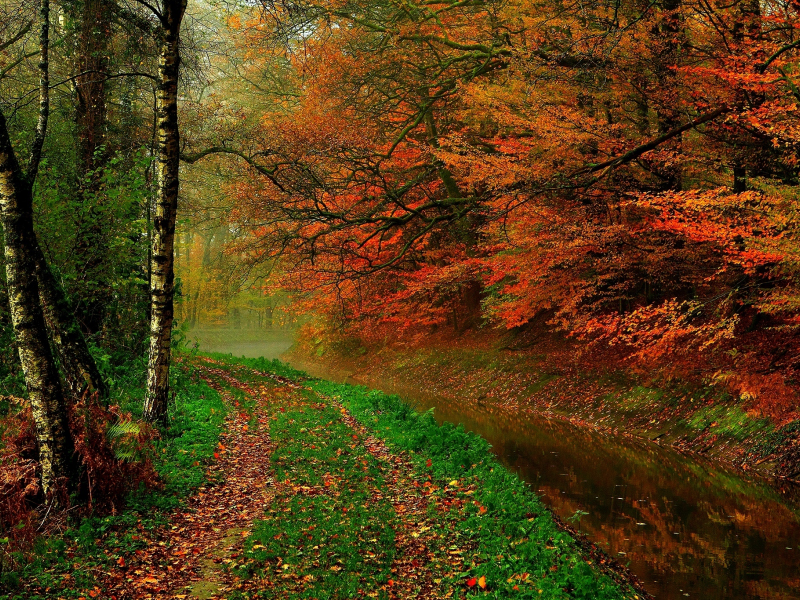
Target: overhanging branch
(635, 153)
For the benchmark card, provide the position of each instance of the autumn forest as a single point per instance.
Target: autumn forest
(523, 209)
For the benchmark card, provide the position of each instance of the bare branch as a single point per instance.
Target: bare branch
(196, 156)
(652, 144)
(763, 66)
(17, 37)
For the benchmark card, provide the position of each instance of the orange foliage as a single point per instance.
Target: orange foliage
(629, 170)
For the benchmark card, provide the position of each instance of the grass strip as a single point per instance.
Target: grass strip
(514, 548)
(321, 538)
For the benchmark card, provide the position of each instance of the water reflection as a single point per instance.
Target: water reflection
(250, 343)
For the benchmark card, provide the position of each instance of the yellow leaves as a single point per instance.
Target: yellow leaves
(234, 22)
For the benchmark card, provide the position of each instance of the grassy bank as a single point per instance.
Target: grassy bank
(367, 499)
(476, 529)
(483, 370)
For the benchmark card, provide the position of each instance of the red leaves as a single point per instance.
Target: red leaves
(220, 448)
(480, 582)
(544, 231)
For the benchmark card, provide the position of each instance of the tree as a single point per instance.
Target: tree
(556, 156)
(21, 256)
(162, 284)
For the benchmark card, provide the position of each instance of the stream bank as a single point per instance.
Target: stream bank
(686, 524)
(484, 371)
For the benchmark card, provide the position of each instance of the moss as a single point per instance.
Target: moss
(728, 421)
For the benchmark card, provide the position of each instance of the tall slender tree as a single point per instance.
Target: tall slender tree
(162, 283)
(91, 62)
(21, 253)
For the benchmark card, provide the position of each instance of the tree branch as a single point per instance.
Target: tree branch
(16, 63)
(652, 144)
(132, 17)
(44, 94)
(196, 156)
(763, 66)
(17, 37)
(152, 9)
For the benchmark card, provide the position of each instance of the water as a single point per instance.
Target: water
(250, 343)
(686, 527)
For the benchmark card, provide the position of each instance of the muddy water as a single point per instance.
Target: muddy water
(687, 528)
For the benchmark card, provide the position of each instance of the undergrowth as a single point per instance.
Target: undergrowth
(61, 565)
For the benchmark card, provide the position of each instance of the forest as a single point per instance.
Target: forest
(618, 178)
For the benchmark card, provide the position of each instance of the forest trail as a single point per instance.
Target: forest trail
(202, 552)
(185, 560)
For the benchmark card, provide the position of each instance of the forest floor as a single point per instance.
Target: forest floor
(319, 490)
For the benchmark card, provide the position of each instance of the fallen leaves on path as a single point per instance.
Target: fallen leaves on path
(186, 559)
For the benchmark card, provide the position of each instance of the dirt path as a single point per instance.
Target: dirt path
(415, 540)
(186, 559)
(322, 508)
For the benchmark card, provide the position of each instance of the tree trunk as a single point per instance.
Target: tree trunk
(16, 212)
(162, 285)
(671, 35)
(78, 365)
(91, 64)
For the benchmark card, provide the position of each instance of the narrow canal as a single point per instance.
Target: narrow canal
(687, 528)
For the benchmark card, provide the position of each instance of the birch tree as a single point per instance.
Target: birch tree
(22, 252)
(162, 283)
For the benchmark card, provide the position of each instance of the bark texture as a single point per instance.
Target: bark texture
(77, 364)
(162, 283)
(91, 63)
(16, 212)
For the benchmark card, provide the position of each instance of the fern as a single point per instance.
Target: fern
(117, 434)
(123, 428)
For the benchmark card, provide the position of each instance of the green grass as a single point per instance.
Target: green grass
(181, 459)
(332, 530)
(331, 539)
(729, 421)
(512, 542)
